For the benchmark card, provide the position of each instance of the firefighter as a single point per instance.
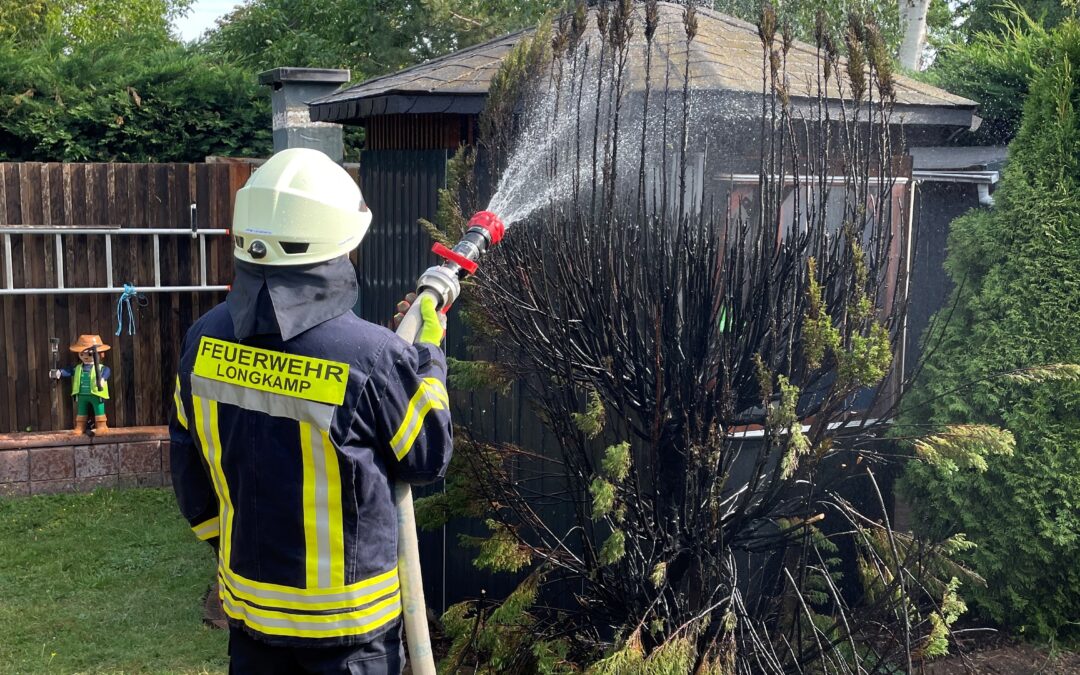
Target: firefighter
(293, 417)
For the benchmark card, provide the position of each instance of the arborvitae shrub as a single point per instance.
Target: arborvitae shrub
(1017, 304)
(130, 101)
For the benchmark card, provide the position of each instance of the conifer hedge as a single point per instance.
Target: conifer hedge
(1016, 305)
(137, 100)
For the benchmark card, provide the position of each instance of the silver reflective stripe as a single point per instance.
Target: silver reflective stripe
(368, 622)
(374, 590)
(322, 505)
(301, 410)
(207, 529)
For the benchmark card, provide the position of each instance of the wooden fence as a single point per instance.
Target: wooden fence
(105, 195)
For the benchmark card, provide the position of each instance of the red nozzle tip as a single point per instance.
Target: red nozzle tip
(490, 222)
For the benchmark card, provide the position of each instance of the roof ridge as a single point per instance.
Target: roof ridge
(435, 70)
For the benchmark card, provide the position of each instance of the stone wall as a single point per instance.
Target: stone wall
(40, 463)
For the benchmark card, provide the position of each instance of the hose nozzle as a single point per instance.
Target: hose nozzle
(484, 230)
(489, 223)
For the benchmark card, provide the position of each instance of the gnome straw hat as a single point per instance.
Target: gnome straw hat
(88, 342)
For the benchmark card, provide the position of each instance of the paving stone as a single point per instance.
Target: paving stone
(14, 466)
(51, 464)
(44, 487)
(132, 480)
(149, 479)
(94, 482)
(15, 489)
(95, 460)
(166, 463)
(140, 458)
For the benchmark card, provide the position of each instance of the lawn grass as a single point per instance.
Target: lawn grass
(108, 582)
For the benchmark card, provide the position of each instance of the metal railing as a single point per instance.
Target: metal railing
(59, 232)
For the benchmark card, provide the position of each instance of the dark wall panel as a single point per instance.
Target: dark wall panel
(936, 206)
(400, 187)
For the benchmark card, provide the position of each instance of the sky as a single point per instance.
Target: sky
(202, 16)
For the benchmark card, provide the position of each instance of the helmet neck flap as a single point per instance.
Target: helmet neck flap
(290, 300)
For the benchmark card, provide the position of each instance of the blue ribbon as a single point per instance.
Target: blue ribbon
(125, 301)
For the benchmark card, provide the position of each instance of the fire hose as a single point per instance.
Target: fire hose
(443, 284)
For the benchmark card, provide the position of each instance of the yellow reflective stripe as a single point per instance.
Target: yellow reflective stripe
(431, 394)
(207, 529)
(297, 598)
(355, 590)
(206, 427)
(438, 388)
(227, 513)
(181, 415)
(313, 625)
(324, 536)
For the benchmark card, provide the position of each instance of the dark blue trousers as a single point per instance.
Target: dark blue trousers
(382, 656)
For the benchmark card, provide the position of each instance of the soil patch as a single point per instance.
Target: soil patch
(1007, 658)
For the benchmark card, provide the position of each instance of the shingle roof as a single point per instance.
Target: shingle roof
(726, 55)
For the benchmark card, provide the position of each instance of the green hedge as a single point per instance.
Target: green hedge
(1017, 304)
(126, 102)
(995, 68)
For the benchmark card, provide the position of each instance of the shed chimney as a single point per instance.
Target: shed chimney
(291, 90)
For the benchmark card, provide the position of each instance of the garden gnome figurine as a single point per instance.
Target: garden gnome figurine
(89, 383)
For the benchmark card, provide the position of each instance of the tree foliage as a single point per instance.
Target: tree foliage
(89, 22)
(994, 67)
(127, 101)
(802, 14)
(1017, 304)
(369, 40)
(975, 17)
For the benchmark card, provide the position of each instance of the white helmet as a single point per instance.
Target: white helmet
(298, 208)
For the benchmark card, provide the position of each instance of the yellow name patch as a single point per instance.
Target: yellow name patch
(286, 374)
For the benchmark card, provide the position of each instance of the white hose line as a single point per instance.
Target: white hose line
(414, 609)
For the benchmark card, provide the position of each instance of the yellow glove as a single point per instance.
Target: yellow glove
(434, 324)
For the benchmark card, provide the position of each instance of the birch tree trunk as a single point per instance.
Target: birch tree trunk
(913, 19)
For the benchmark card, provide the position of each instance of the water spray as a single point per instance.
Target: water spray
(443, 283)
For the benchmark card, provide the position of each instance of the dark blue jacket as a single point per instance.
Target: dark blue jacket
(284, 452)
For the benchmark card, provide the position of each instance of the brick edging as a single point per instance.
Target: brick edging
(39, 463)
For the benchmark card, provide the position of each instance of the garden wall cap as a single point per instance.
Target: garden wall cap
(24, 440)
(725, 56)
